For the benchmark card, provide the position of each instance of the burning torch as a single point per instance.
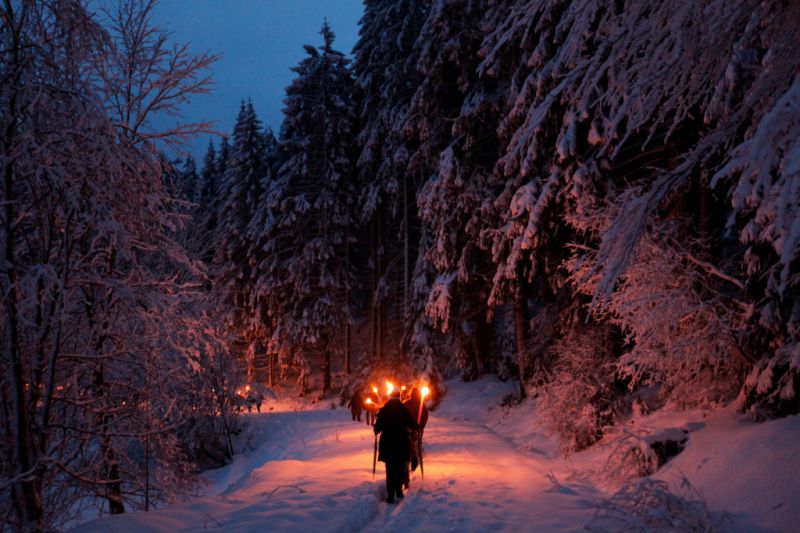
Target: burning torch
(423, 392)
(375, 449)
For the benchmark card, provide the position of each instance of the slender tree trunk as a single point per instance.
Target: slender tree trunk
(223, 400)
(326, 372)
(373, 311)
(381, 300)
(110, 464)
(147, 439)
(104, 417)
(347, 342)
(406, 253)
(521, 337)
(347, 302)
(271, 357)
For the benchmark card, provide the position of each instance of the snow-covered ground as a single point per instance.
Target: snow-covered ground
(487, 468)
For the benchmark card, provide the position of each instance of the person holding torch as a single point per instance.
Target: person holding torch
(372, 404)
(394, 424)
(416, 406)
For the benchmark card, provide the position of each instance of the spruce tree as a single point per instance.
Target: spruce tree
(304, 277)
(385, 70)
(208, 178)
(187, 188)
(450, 125)
(206, 212)
(240, 193)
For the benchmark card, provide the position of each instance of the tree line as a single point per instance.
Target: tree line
(541, 190)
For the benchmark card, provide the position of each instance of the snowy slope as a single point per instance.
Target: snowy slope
(487, 468)
(749, 470)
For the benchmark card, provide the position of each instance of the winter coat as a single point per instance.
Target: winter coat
(394, 423)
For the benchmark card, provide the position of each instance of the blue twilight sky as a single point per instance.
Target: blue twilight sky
(259, 41)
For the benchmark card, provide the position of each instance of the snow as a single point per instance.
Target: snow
(488, 467)
(748, 469)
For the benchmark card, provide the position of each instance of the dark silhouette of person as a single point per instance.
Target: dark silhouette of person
(420, 414)
(394, 423)
(254, 397)
(356, 406)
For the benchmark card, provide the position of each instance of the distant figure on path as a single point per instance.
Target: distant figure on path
(356, 406)
(254, 397)
(394, 423)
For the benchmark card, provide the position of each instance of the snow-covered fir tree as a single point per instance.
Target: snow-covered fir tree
(205, 215)
(304, 279)
(209, 181)
(240, 193)
(455, 160)
(188, 180)
(386, 77)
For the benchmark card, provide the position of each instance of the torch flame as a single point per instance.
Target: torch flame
(389, 387)
(423, 392)
(369, 400)
(375, 390)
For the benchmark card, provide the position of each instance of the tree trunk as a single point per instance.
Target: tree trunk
(520, 336)
(347, 341)
(110, 464)
(406, 254)
(347, 303)
(326, 372)
(380, 300)
(271, 378)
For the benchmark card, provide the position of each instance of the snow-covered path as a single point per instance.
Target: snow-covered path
(311, 471)
(476, 481)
